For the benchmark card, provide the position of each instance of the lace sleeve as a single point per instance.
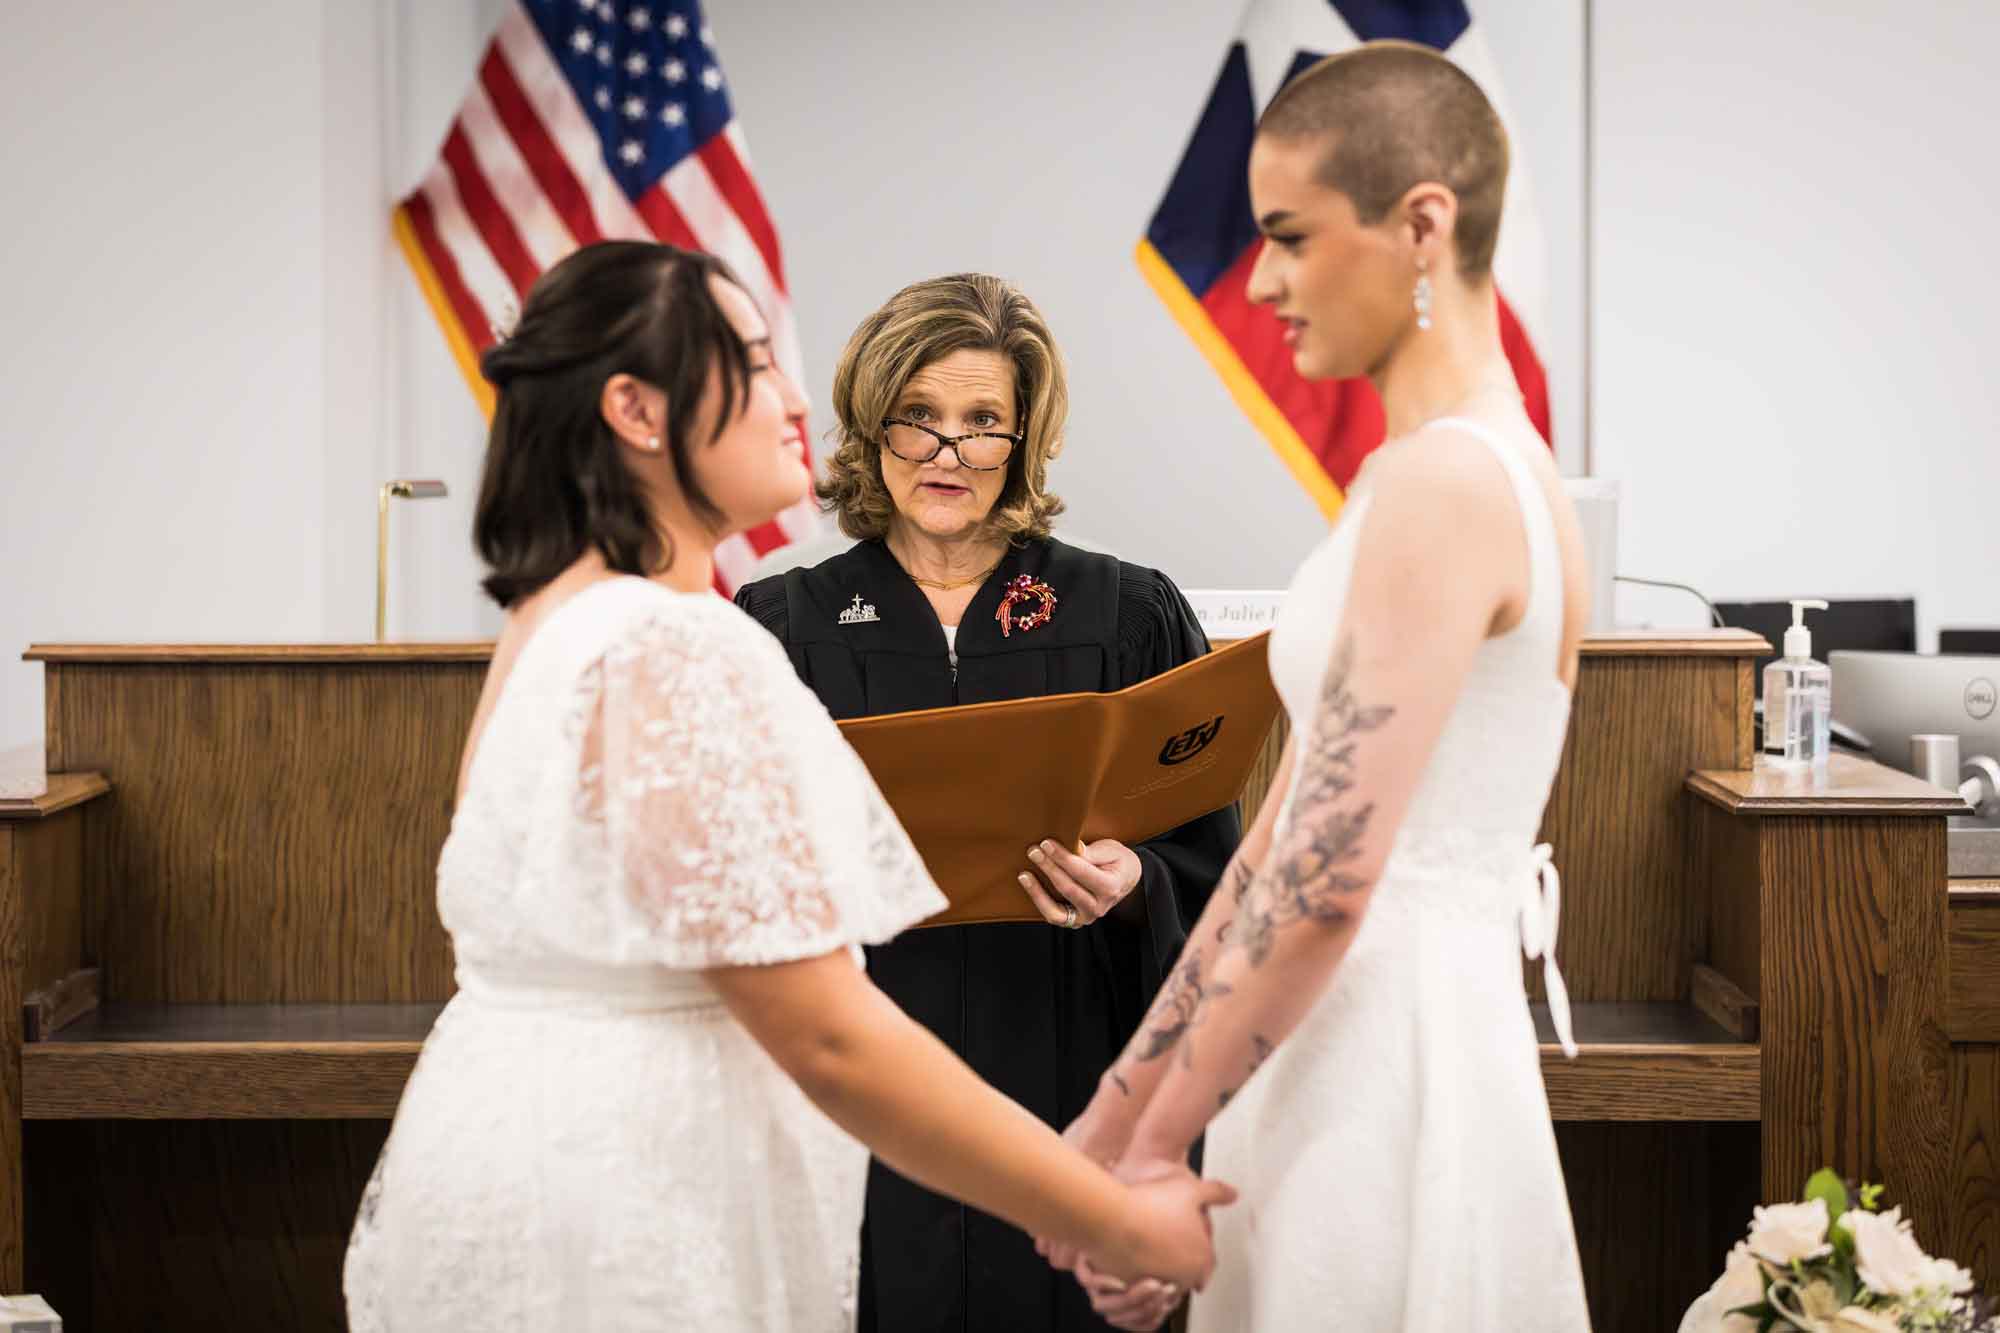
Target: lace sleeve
(740, 828)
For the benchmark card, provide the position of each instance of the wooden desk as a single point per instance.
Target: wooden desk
(258, 891)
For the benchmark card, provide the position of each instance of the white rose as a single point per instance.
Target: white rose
(1944, 1278)
(1741, 1284)
(1854, 1319)
(1783, 1232)
(1886, 1254)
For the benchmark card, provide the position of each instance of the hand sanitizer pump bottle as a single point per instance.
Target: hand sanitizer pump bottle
(1798, 701)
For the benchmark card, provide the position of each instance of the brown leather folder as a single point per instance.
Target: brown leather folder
(978, 784)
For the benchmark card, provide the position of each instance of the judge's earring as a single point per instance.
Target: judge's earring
(1422, 297)
(653, 443)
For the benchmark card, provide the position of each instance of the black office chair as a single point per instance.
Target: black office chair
(1884, 624)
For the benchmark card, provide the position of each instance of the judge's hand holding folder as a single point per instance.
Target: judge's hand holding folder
(1094, 772)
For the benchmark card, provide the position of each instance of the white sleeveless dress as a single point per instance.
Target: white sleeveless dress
(1396, 1158)
(590, 1141)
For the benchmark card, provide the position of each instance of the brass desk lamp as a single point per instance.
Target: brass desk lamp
(402, 490)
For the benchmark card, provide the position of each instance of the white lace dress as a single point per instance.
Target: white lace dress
(590, 1141)
(1396, 1159)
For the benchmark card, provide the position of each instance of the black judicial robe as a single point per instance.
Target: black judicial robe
(1038, 1012)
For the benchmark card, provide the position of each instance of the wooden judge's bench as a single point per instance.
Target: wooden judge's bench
(219, 954)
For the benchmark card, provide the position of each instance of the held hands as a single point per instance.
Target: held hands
(1080, 889)
(1103, 1134)
(1145, 1303)
(1169, 1235)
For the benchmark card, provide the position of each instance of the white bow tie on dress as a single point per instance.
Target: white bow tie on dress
(1541, 911)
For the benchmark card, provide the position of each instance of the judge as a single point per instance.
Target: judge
(951, 403)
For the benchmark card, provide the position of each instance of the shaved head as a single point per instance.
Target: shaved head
(1393, 115)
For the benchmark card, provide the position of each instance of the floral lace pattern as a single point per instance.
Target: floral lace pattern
(590, 1141)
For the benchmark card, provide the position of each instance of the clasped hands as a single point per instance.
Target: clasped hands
(1165, 1189)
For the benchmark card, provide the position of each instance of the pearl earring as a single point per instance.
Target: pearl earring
(1422, 298)
(653, 443)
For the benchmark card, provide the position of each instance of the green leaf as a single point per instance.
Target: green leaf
(1827, 1186)
(1843, 1241)
(1871, 1196)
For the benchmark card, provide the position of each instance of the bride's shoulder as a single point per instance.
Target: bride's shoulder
(654, 621)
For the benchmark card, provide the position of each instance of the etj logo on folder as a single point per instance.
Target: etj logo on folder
(1179, 749)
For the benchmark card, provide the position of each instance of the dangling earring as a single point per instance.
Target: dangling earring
(1422, 299)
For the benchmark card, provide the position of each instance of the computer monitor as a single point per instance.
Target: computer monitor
(1890, 697)
(1985, 641)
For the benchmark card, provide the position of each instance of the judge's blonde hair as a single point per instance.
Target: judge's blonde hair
(921, 324)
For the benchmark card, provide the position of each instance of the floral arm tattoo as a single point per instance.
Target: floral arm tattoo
(1260, 1051)
(1303, 880)
(1177, 1011)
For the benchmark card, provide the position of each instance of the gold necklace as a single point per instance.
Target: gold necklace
(954, 587)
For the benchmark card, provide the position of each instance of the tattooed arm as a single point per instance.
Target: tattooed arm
(1425, 593)
(1105, 1127)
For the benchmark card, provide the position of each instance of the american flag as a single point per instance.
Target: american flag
(1198, 251)
(594, 120)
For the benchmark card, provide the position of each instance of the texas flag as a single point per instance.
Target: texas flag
(1198, 252)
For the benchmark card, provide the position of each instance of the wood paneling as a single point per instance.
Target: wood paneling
(1974, 960)
(246, 654)
(195, 1225)
(1746, 717)
(65, 790)
(41, 940)
(1724, 1003)
(1619, 827)
(1853, 1007)
(1723, 872)
(49, 1010)
(1853, 786)
(1974, 1240)
(276, 827)
(1262, 773)
(1637, 1062)
(49, 871)
(13, 928)
(1719, 643)
(1656, 1209)
(217, 1081)
(61, 1188)
(1617, 643)
(222, 1062)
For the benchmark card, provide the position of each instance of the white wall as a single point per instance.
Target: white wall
(212, 355)
(903, 139)
(1796, 301)
(160, 372)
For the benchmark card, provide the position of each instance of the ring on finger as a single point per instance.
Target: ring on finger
(1069, 921)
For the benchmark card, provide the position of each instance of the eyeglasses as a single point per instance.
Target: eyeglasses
(982, 451)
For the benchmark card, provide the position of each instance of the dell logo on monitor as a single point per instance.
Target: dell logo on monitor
(1979, 698)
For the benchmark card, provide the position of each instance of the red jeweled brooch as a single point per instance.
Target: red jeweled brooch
(1025, 588)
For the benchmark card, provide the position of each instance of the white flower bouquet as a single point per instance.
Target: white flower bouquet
(1822, 1266)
